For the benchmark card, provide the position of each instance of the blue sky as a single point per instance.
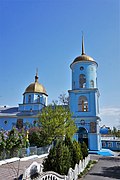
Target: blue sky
(46, 34)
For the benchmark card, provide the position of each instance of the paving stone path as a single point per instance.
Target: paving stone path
(10, 171)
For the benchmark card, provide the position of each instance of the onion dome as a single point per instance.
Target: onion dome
(36, 87)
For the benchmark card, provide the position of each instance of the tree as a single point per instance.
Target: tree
(58, 159)
(55, 122)
(11, 141)
(34, 136)
(69, 144)
(62, 156)
(84, 150)
(115, 132)
(75, 151)
(77, 147)
(63, 99)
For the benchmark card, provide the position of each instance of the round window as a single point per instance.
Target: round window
(81, 68)
(82, 122)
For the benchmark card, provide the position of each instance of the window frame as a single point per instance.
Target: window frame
(83, 104)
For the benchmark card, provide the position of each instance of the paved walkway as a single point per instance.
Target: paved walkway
(107, 168)
(10, 171)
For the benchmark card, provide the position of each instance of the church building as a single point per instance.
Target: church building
(84, 100)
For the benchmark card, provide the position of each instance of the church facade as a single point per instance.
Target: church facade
(83, 101)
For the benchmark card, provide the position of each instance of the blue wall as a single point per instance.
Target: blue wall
(89, 71)
(11, 121)
(111, 144)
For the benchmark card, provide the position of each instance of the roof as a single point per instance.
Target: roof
(13, 112)
(110, 138)
(83, 57)
(4, 111)
(36, 87)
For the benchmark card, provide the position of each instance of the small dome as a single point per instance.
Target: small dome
(36, 87)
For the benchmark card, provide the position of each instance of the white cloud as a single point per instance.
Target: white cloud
(110, 111)
(110, 116)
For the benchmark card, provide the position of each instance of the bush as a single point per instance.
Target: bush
(58, 159)
(37, 137)
(69, 144)
(77, 147)
(75, 151)
(84, 150)
(62, 156)
(11, 141)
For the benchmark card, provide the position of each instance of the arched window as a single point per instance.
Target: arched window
(19, 123)
(82, 81)
(29, 99)
(82, 104)
(92, 83)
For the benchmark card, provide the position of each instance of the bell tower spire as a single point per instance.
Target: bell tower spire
(83, 48)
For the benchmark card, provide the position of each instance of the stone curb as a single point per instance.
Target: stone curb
(22, 159)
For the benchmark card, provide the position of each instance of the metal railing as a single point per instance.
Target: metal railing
(24, 152)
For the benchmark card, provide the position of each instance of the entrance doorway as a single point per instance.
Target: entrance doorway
(83, 135)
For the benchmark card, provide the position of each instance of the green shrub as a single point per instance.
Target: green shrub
(58, 159)
(63, 155)
(84, 150)
(77, 147)
(75, 151)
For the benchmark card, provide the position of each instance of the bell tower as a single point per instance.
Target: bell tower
(84, 100)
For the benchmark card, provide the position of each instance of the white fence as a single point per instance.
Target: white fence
(50, 175)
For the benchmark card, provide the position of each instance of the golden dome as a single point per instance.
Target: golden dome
(36, 87)
(83, 56)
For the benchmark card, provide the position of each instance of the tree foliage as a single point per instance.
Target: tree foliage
(12, 140)
(75, 151)
(84, 150)
(35, 137)
(55, 122)
(115, 132)
(63, 155)
(58, 159)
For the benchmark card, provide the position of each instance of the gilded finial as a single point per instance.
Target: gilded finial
(36, 77)
(83, 49)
